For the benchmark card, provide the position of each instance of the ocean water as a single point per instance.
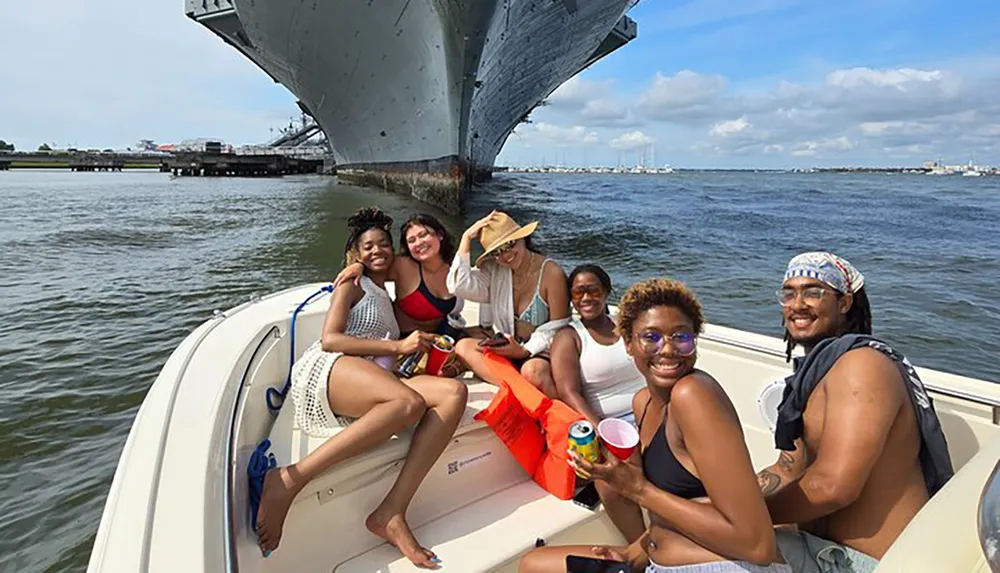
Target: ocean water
(103, 274)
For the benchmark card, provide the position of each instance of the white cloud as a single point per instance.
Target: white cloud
(631, 140)
(685, 95)
(901, 78)
(107, 77)
(544, 134)
(856, 116)
(731, 127)
(577, 92)
(814, 148)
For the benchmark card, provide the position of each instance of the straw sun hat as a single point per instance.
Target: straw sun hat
(501, 230)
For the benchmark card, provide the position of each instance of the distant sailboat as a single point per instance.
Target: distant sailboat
(972, 170)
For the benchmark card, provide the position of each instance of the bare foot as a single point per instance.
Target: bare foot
(395, 530)
(279, 491)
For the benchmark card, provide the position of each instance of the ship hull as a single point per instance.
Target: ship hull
(420, 96)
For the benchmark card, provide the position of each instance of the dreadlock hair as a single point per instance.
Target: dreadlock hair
(432, 223)
(858, 318)
(602, 277)
(362, 221)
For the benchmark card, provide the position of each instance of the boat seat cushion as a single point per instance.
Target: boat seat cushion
(289, 443)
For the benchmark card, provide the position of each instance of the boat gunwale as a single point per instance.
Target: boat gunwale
(727, 337)
(229, 484)
(980, 399)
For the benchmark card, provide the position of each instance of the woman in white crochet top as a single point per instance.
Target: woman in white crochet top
(336, 383)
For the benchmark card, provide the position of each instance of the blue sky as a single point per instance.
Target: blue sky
(708, 83)
(783, 83)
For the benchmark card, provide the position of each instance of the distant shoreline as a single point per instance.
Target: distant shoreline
(677, 170)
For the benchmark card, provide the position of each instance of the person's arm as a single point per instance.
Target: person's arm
(455, 318)
(351, 272)
(736, 523)
(354, 271)
(463, 279)
(466, 281)
(863, 396)
(787, 469)
(334, 339)
(566, 372)
(634, 554)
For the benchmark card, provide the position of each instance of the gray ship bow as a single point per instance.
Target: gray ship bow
(419, 96)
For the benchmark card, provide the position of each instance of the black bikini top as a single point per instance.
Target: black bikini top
(662, 468)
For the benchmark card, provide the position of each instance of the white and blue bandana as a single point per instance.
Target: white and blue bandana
(826, 268)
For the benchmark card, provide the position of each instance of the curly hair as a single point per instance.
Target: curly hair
(362, 221)
(432, 223)
(652, 293)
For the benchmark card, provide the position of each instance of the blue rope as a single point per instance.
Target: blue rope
(271, 395)
(260, 462)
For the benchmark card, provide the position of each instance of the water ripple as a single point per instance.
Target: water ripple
(104, 274)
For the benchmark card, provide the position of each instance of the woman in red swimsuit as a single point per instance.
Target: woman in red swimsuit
(422, 299)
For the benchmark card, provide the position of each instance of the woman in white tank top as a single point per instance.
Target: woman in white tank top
(592, 372)
(596, 377)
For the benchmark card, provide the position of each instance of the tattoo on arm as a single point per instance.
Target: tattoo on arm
(786, 461)
(769, 482)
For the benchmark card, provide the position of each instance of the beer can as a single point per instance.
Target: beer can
(408, 366)
(583, 441)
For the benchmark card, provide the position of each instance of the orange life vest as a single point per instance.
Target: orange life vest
(534, 427)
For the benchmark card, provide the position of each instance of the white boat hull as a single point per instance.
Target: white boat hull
(178, 501)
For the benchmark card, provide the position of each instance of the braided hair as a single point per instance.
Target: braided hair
(362, 221)
(858, 320)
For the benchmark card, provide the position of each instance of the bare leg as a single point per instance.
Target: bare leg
(552, 559)
(538, 371)
(357, 388)
(468, 351)
(624, 513)
(446, 399)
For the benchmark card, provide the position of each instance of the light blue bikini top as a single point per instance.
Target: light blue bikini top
(537, 312)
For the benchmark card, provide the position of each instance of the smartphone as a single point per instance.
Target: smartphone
(587, 497)
(577, 564)
(497, 339)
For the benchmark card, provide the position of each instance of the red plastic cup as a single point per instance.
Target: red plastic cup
(620, 437)
(441, 351)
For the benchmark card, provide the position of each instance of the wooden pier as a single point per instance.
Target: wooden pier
(96, 163)
(211, 163)
(191, 164)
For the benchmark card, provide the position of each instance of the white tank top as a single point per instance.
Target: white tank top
(608, 375)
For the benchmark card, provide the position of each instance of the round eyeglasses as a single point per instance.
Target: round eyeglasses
(811, 295)
(652, 342)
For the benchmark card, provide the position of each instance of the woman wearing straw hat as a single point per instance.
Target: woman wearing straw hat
(524, 296)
